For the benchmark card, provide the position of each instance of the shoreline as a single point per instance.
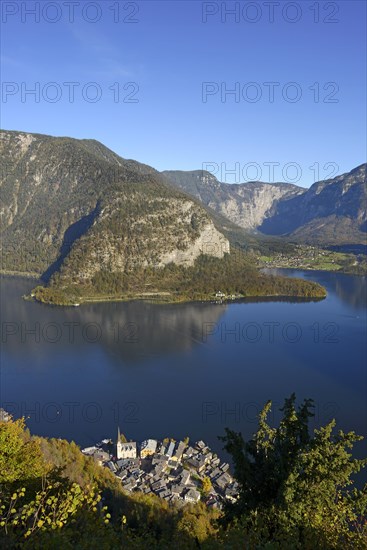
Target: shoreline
(338, 271)
(160, 298)
(163, 297)
(203, 300)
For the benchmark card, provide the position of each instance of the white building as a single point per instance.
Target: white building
(125, 449)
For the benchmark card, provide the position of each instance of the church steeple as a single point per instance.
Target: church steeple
(118, 443)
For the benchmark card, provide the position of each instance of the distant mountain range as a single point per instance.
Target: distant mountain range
(329, 212)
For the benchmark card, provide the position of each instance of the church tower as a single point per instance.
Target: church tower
(118, 445)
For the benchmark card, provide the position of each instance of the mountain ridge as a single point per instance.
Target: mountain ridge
(332, 210)
(244, 204)
(282, 209)
(73, 179)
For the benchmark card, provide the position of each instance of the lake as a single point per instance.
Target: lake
(177, 370)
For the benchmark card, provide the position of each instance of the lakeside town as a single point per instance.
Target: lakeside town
(173, 470)
(314, 258)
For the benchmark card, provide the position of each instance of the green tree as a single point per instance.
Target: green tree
(298, 487)
(20, 455)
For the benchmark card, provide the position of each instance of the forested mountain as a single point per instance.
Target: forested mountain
(60, 192)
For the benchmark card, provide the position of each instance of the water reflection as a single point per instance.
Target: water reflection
(351, 289)
(129, 331)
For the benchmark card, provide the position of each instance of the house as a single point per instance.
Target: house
(159, 485)
(148, 447)
(127, 463)
(208, 471)
(190, 452)
(89, 450)
(185, 477)
(198, 463)
(192, 496)
(177, 489)
(174, 473)
(215, 473)
(111, 466)
(170, 449)
(126, 450)
(179, 451)
(220, 294)
(164, 493)
(101, 457)
(223, 481)
(159, 469)
(159, 459)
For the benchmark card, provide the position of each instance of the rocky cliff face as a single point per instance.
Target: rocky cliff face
(75, 205)
(245, 204)
(330, 212)
(209, 242)
(154, 236)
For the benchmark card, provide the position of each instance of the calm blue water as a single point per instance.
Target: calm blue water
(183, 369)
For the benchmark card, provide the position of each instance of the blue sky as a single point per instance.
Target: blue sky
(163, 57)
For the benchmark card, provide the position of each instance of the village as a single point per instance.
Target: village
(173, 470)
(313, 258)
